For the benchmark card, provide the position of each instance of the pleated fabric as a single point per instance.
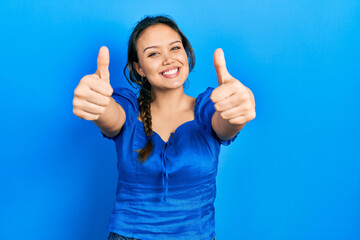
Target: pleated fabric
(171, 196)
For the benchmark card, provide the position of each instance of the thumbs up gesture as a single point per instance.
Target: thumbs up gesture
(93, 93)
(234, 101)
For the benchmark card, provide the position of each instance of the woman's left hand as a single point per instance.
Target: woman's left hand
(234, 101)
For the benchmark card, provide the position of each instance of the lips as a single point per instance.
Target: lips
(171, 72)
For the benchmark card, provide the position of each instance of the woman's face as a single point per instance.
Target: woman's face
(162, 57)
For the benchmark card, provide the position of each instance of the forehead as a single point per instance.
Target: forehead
(157, 35)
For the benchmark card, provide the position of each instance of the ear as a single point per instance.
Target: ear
(138, 69)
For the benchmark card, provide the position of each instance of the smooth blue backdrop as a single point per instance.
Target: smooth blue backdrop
(294, 171)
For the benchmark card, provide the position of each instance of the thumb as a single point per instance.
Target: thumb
(103, 61)
(220, 66)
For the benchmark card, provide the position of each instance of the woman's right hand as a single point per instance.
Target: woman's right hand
(93, 93)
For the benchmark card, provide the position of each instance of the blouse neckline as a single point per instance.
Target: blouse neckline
(171, 133)
(179, 127)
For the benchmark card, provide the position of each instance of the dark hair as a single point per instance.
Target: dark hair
(146, 96)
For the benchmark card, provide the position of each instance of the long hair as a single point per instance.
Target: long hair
(146, 96)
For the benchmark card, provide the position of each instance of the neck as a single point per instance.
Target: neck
(169, 101)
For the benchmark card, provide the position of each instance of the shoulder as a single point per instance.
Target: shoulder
(205, 96)
(205, 111)
(124, 92)
(203, 101)
(204, 107)
(127, 100)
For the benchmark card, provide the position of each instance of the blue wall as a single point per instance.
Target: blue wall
(293, 173)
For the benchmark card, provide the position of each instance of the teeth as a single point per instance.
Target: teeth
(171, 71)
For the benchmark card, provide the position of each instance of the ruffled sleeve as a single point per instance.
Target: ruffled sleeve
(128, 101)
(205, 110)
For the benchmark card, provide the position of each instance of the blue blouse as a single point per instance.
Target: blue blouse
(171, 196)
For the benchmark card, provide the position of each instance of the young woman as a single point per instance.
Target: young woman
(167, 142)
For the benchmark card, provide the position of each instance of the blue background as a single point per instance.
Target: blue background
(293, 172)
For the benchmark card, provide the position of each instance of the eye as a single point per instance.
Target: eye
(176, 48)
(152, 54)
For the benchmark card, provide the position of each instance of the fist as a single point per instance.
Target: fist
(232, 99)
(92, 94)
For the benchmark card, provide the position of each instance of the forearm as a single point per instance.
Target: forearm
(223, 128)
(112, 119)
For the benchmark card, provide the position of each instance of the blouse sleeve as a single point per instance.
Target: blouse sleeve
(128, 101)
(205, 110)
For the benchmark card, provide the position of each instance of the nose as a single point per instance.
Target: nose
(168, 59)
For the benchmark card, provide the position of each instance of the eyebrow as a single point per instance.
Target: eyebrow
(158, 46)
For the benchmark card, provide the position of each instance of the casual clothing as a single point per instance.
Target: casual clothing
(171, 196)
(115, 236)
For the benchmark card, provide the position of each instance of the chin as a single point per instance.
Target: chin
(178, 84)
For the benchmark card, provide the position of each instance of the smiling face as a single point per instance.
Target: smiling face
(162, 57)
